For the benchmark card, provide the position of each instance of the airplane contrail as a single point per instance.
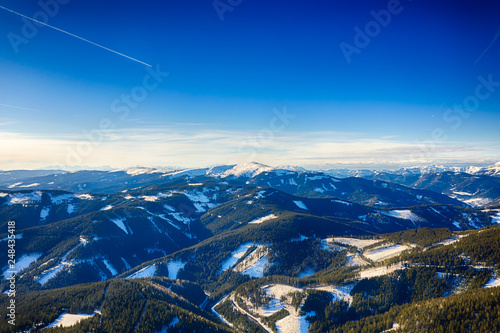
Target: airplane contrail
(489, 46)
(20, 107)
(73, 35)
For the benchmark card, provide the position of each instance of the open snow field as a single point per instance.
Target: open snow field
(359, 243)
(379, 271)
(385, 252)
(68, 319)
(174, 267)
(143, 273)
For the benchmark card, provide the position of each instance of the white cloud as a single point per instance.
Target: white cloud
(188, 146)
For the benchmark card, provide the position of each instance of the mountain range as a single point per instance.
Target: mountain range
(248, 248)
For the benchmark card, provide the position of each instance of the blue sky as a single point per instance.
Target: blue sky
(234, 67)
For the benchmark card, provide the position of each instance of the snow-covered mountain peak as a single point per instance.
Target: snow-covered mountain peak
(219, 169)
(291, 168)
(492, 170)
(247, 170)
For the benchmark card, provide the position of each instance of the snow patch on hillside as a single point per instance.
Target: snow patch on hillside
(200, 201)
(293, 323)
(110, 267)
(51, 272)
(150, 198)
(108, 207)
(62, 198)
(174, 267)
(342, 202)
(70, 209)
(84, 196)
(339, 292)
(127, 266)
(379, 271)
(477, 202)
(495, 218)
(23, 198)
(263, 219)
(300, 204)
(148, 271)
(68, 319)
(44, 213)
(463, 193)
(255, 263)
(236, 255)
(493, 282)
(404, 214)
(385, 252)
(120, 224)
(359, 243)
(23, 262)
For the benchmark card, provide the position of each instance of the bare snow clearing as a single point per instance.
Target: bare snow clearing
(385, 252)
(263, 219)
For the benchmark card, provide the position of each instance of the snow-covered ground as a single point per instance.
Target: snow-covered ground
(148, 271)
(263, 219)
(51, 272)
(23, 262)
(385, 252)
(293, 324)
(404, 214)
(493, 282)
(255, 263)
(496, 218)
(23, 198)
(342, 202)
(110, 267)
(70, 209)
(296, 321)
(451, 240)
(44, 213)
(339, 292)
(84, 196)
(477, 202)
(108, 207)
(68, 319)
(463, 193)
(174, 267)
(120, 224)
(62, 198)
(359, 243)
(356, 260)
(236, 255)
(300, 204)
(395, 326)
(379, 271)
(150, 198)
(218, 315)
(200, 200)
(258, 268)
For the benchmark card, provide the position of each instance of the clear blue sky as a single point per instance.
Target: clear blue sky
(377, 107)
